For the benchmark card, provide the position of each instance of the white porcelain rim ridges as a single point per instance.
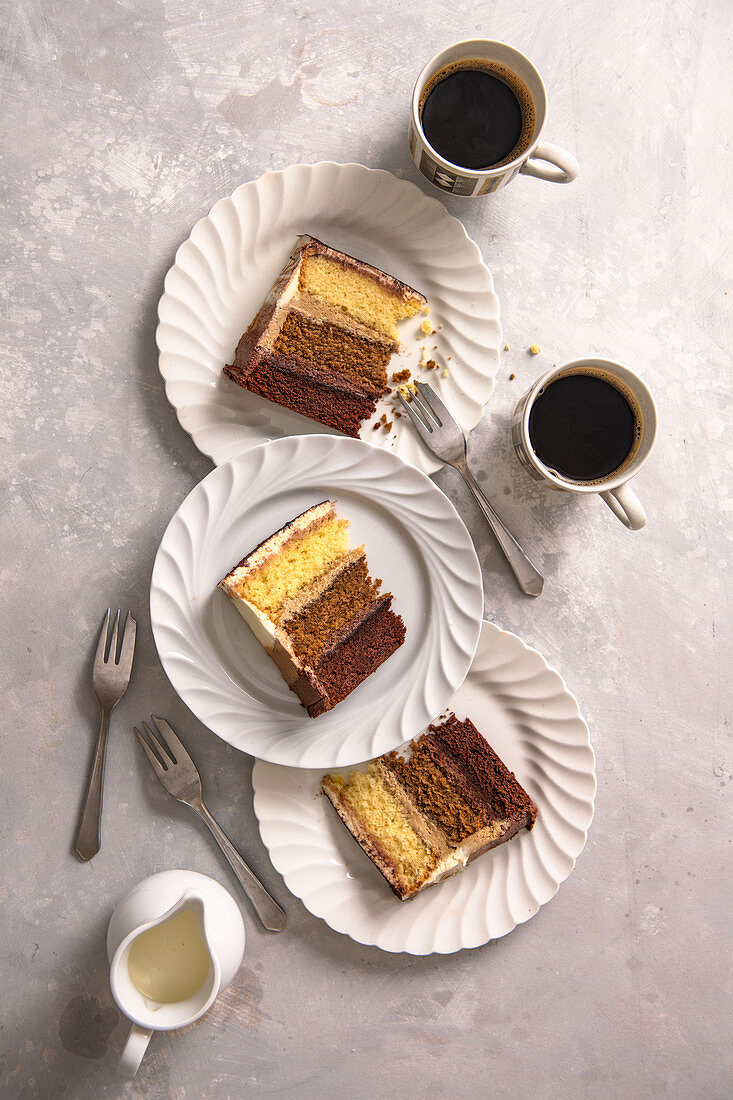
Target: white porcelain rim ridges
(222, 272)
(195, 627)
(542, 738)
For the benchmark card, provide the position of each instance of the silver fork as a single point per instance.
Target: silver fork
(109, 681)
(179, 775)
(443, 436)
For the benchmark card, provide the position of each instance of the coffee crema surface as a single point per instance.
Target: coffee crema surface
(477, 114)
(585, 426)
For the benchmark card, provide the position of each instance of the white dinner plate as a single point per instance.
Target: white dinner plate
(533, 722)
(415, 542)
(223, 271)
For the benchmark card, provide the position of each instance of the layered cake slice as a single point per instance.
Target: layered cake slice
(424, 816)
(321, 343)
(312, 604)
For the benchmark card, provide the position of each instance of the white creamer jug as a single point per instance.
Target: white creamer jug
(174, 941)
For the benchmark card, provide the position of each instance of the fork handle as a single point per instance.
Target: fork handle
(88, 835)
(266, 908)
(529, 578)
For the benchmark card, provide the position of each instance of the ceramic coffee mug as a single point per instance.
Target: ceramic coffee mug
(531, 156)
(613, 488)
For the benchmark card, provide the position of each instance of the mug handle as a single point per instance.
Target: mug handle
(561, 166)
(134, 1051)
(626, 506)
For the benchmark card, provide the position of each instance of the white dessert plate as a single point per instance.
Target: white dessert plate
(223, 271)
(533, 722)
(415, 542)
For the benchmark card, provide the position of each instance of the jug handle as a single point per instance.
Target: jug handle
(134, 1050)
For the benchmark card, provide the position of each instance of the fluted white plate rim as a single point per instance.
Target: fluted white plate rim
(221, 273)
(416, 543)
(532, 720)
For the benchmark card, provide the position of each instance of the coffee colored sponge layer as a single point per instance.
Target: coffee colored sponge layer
(325, 617)
(434, 793)
(355, 357)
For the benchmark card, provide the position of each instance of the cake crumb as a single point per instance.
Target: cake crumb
(511, 377)
(401, 375)
(445, 373)
(535, 349)
(431, 364)
(407, 391)
(386, 424)
(423, 356)
(427, 328)
(375, 426)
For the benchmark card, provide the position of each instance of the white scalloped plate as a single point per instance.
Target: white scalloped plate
(223, 271)
(533, 722)
(415, 542)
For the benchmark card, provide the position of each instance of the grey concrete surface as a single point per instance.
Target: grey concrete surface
(122, 124)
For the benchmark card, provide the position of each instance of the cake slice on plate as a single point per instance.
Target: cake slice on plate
(321, 343)
(312, 604)
(424, 816)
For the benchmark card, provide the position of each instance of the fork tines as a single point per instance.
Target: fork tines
(425, 409)
(107, 646)
(162, 748)
(434, 403)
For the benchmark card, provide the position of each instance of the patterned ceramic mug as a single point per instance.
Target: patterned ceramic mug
(530, 156)
(613, 487)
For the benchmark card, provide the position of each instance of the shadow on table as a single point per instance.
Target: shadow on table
(64, 1039)
(159, 411)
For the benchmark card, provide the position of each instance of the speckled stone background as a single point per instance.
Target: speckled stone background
(122, 124)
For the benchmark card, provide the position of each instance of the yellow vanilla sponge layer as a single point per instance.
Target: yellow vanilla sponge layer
(300, 562)
(357, 295)
(379, 811)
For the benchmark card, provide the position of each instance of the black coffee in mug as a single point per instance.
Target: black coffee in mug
(477, 114)
(585, 426)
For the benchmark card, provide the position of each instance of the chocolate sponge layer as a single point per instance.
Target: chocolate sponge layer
(497, 789)
(364, 645)
(297, 384)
